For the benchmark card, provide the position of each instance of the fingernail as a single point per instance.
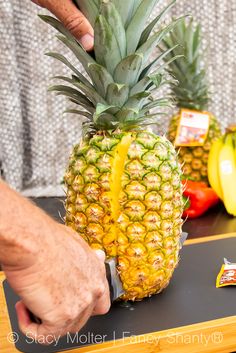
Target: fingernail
(101, 254)
(87, 41)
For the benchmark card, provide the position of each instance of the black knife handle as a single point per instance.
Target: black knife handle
(108, 275)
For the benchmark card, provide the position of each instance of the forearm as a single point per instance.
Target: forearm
(22, 225)
(44, 262)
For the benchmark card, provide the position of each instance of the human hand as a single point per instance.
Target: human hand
(62, 282)
(72, 18)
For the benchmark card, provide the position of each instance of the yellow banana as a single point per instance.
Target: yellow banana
(227, 172)
(213, 167)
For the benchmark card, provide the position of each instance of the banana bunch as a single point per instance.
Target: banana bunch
(222, 170)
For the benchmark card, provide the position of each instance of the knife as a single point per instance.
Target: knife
(115, 285)
(113, 278)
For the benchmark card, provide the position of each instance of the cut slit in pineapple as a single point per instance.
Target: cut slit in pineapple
(117, 169)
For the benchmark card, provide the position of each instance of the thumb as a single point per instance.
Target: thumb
(101, 255)
(73, 20)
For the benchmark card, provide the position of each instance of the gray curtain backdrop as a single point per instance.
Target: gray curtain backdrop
(35, 137)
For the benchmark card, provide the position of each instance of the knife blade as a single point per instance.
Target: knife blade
(113, 278)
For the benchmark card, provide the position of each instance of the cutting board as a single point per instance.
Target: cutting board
(191, 314)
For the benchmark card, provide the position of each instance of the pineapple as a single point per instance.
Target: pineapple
(191, 92)
(124, 193)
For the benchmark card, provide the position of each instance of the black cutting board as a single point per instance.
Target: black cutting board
(191, 297)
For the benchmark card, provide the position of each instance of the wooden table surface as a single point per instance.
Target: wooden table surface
(162, 341)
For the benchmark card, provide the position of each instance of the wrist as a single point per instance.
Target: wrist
(23, 228)
(17, 247)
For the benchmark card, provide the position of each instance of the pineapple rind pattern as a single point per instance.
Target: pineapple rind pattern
(194, 160)
(147, 225)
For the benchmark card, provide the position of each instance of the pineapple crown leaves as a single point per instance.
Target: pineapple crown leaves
(192, 89)
(117, 90)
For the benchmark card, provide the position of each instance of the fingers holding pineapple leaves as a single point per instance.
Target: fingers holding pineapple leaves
(73, 19)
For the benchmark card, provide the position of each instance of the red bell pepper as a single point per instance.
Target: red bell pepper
(199, 198)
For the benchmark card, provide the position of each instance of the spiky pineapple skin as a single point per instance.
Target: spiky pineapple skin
(144, 231)
(194, 159)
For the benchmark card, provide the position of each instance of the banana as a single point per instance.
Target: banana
(227, 172)
(213, 167)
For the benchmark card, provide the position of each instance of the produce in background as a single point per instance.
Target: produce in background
(191, 93)
(199, 197)
(124, 192)
(222, 169)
